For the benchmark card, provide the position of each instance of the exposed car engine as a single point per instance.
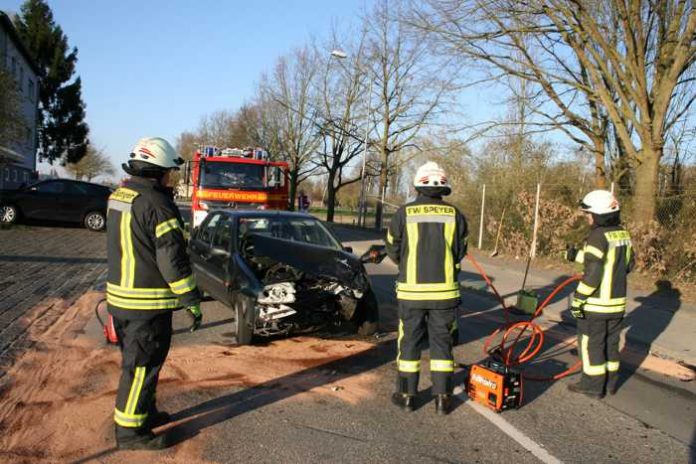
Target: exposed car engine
(294, 300)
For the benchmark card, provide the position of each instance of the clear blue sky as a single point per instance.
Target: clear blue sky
(155, 67)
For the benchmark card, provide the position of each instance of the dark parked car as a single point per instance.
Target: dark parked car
(281, 273)
(57, 200)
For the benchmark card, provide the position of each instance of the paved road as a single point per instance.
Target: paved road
(650, 420)
(42, 271)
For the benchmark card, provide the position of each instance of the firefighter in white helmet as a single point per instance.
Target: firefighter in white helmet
(599, 303)
(427, 238)
(149, 277)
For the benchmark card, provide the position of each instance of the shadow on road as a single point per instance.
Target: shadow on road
(51, 259)
(199, 417)
(47, 223)
(205, 326)
(646, 322)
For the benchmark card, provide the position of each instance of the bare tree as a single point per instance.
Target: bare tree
(341, 95)
(94, 164)
(220, 129)
(410, 85)
(621, 61)
(286, 105)
(187, 144)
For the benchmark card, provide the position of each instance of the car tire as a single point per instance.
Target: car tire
(244, 320)
(8, 214)
(95, 221)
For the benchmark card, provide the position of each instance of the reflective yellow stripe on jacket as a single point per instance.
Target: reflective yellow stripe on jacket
(166, 226)
(143, 304)
(184, 285)
(411, 289)
(601, 301)
(142, 293)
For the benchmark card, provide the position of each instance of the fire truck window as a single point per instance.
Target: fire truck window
(232, 175)
(275, 177)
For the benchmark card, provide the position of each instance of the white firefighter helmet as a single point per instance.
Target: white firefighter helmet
(599, 202)
(431, 175)
(156, 151)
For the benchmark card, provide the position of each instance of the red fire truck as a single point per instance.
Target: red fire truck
(235, 178)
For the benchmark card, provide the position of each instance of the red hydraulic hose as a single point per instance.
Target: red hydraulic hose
(513, 332)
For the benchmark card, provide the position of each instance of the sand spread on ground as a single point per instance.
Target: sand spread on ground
(56, 402)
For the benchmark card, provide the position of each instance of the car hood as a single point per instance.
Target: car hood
(315, 260)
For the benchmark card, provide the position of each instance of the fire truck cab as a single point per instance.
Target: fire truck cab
(235, 178)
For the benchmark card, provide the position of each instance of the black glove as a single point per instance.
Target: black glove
(571, 252)
(576, 309)
(194, 311)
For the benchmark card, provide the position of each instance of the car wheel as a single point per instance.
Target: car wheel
(244, 319)
(95, 221)
(8, 214)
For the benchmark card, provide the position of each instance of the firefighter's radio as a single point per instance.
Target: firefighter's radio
(495, 385)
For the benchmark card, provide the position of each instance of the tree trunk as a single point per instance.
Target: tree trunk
(330, 197)
(646, 174)
(294, 174)
(382, 187)
(600, 170)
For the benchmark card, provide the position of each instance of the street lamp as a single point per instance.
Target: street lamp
(362, 206)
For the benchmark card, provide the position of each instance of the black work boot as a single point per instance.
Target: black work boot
(404, 401)
(612, 383)
(580, 388)
(443, 404)
(140, 439)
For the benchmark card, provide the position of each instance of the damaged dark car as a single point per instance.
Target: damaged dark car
(282, 273)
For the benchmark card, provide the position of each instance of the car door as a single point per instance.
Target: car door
(199, 250)
(217, 263)
(40, 201)
(74, 202)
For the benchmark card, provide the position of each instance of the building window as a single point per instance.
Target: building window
(30, 90)
(21, 79)
(14, 175)
(7, 174)
(14, 67)
(29, 136)
(26, 176)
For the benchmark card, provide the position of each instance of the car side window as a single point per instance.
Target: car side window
(223, 233)
(75, 189)
(51, 187)
(208, 229)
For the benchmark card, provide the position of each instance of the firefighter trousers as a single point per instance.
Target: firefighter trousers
(598, 346)
(144, 347)
(416, 326)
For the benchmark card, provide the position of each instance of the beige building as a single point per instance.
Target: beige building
(18, 160)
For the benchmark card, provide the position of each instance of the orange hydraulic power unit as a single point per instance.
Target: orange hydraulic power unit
(495, 385)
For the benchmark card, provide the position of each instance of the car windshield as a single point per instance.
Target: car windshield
(230, 175)
(305, 230)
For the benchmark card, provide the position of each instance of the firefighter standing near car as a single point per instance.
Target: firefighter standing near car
(149, 276)
(599, 303)
(427, 238)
